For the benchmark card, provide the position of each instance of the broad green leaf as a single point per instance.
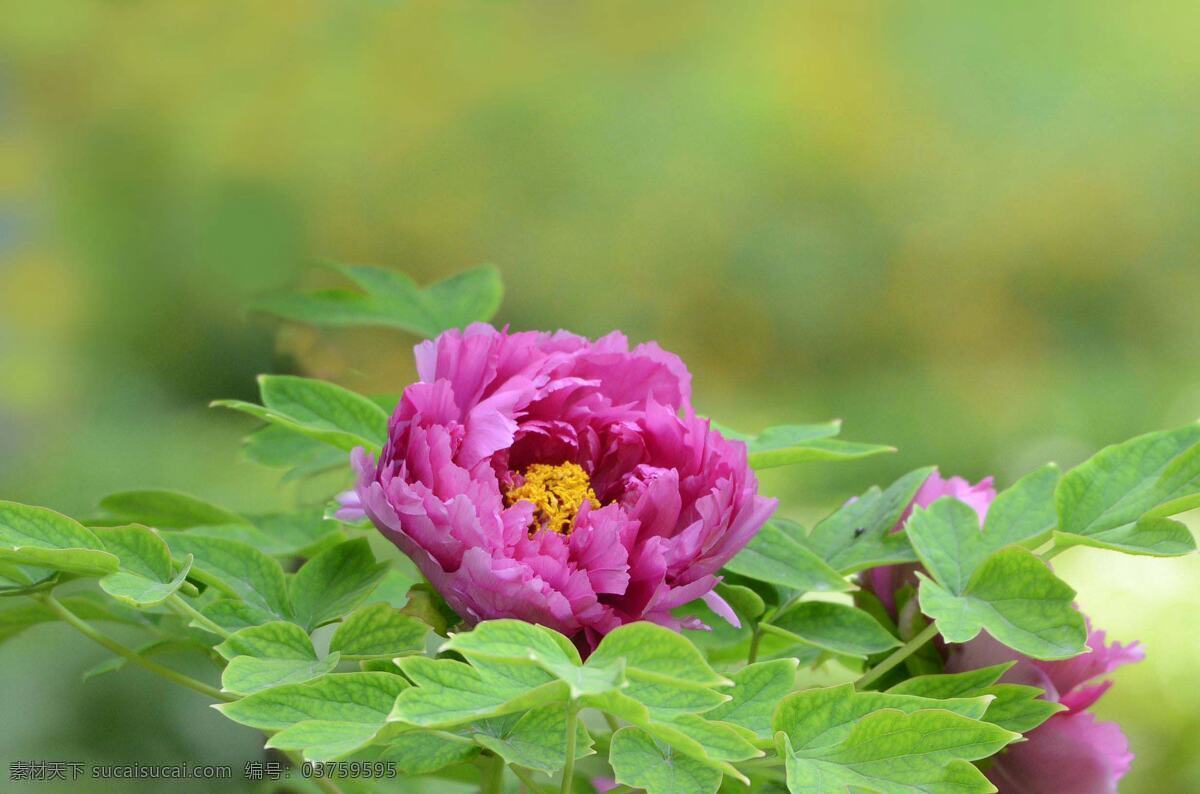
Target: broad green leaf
(378, 631)
(279, 448)
(450, 693)
(270, 655)
(166, 509)
(823, 718)
(1102, 501)
(838, 628)
(334, 582)
(784, 445)
(422, 752)
(538, 740)
(319, 410)
(757, 690)
(1017, 599)
(40, 537)
(233, 614)
(324, 740)
(146, 576)
(774, 556)
(1015, 707)
(305, 533)
(363, 698)
(391, 299)
(721, 742)
(859, 535)
(1023, 514)
(667, 700)
(640, 761)
(18, 580)
(893, 752)
(425, 604)
(653, 653)
(235, 569)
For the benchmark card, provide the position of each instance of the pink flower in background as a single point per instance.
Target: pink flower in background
(561, 481)
(885, 580)
(1070, 753)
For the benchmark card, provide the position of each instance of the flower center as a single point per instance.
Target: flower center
(557, 493)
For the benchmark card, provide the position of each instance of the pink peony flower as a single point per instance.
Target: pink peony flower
(561, 481)
(1070, 753)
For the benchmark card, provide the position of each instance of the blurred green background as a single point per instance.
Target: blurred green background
(970, 230)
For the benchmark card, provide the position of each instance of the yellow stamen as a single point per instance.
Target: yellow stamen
(557, 493)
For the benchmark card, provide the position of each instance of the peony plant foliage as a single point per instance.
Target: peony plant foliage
(541, 569)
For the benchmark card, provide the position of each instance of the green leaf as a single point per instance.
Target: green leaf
(640, 761)
(391, 299)
(232, 614)
(774, 556)
(270, 655)
(837, 628)
(362, 698)
(757, 690)
(334, 582)
(304, 533)
(422, 752)
(152, 648)
(1016, 708)
(166, 509)
(653, 653)
(859, 535)
(538, 740)
(146, 576)
(784, 445)
(37, 536)
(892, 752)
(1103, 501)
(450, 693)
(324, 740)
(1023, 514)
(18, 580)
(235, 569)
(1017, 599)
(744, 601)
(319, 410)
(378, 631)
(279, 448)
(822, 718)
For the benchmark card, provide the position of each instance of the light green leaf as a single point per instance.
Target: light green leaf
(304, 533)
(969, 683)
(422, 752)
(1017, 599)
(37, 536)
(823, 718)
(744, 601)
(1023, 514)
(232, 614)
(892, 752)
(279, 448)
(146, 576)
(378, 631)
(334, 582)
(721, 742)
(774, 556)
(391, 299)
(784, 445)
(653, 653)
(319, 410)
(1015, 707)
(1103, 501)
(450, 693)
(270, 655)
(236, 569)
(838, 628)
(363, 698)
(166, 509)
(538, 740)
(859, 535)
(757, 690)
(324, 740)
(640, 761)
(19, 614)
(18, 580)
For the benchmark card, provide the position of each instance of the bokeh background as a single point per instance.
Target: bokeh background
(970, 230)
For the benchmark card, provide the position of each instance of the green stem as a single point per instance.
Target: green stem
(1051, 553)
(525, 778)
(179, 678)
(898, 656)
(189, 611)
(569, 767)
(755, 639)
(493, 775)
